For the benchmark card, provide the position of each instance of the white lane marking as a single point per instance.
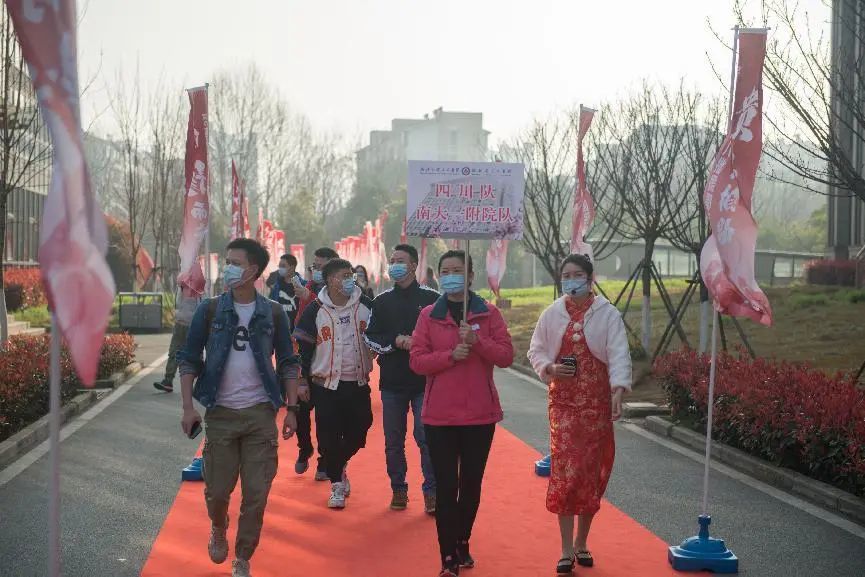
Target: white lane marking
(783, 496)
(41, 449)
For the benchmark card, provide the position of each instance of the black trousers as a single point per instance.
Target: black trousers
(342, 419)
(459, 457)
(304, 433)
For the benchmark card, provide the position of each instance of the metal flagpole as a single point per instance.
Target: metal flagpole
(715, 314)
(466, 283)
(54, 452)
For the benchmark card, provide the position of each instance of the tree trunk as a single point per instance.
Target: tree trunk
(4, 320)
(647, 294)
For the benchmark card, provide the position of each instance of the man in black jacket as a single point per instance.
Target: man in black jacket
(394, 315)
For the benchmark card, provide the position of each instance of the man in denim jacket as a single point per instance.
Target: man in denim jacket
(241, 392)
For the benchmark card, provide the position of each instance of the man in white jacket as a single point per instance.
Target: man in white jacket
(336, 363)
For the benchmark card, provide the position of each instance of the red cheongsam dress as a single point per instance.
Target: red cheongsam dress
(582, 444)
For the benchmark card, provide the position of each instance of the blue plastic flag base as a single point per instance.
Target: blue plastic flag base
(542, 467)
(193, 471)
(703, 553)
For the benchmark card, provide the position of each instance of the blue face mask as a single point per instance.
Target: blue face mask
(317, 277)
(397, 271)
(232, 276)
(576, 287)
(348, 286)
(452, 283)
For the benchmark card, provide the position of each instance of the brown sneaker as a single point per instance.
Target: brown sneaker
(217, 547)
(429, 503)
(399, 501)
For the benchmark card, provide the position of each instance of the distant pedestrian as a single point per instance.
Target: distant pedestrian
(580, 349)
(430, 279)
(362, 278)
(183, 311)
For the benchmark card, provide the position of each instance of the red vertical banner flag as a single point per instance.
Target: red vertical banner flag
(73, 238)
(299, 250)
(403, 235)
(245, 215)
(497, 258)
(236, 205)
(196, 206)
(727, 260)
(584, 205)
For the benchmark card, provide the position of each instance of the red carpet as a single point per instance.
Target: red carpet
(514, 534)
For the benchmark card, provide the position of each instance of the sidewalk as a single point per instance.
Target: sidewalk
(151, 346)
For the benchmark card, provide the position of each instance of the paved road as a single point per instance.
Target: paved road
(121, 472)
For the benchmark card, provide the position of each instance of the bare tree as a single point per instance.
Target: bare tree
(818, 117)
(703, 133)
(127, 105)
(25, 151)
(638, 144)
(548, 152)
(166, 179)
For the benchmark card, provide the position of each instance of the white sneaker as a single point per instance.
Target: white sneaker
(337, 496)
(345, 482)
(240, 568)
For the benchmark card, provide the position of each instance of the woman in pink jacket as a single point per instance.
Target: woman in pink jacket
(461, 405)
(580, 349)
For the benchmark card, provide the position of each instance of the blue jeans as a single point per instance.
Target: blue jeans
(395, 407)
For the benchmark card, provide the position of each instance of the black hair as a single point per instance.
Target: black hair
(289, 258)
(335, 265)
(581, 260)
(412, 251)
(359, 268)
(460, 254)
(326, 252)
(255, 252)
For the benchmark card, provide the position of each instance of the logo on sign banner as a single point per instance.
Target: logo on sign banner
(467, 171)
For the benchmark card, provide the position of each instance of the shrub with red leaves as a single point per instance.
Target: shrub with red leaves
(24, 382)
(831, 272)
(30, 281)
(788, 414)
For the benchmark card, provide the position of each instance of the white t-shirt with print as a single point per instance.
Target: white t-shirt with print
(347, 342)
(241, 385)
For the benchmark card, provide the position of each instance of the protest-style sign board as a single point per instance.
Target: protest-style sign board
(465, 200)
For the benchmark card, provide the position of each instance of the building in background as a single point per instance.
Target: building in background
(846, 211)
(26, 169)
(441, 136)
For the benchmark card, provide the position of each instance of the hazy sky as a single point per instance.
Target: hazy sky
(353, 65)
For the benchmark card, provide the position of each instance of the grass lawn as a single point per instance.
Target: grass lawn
(822, 326)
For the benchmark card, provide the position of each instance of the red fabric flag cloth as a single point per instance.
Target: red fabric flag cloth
(196, 208)
(298, 251)
(73, 237)
(727, 260)
(145, 266)
(584, 206)
(245, 215)
(403, 235)
(236, 205)
(497, 258)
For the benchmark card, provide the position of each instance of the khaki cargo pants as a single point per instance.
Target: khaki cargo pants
(240, 442)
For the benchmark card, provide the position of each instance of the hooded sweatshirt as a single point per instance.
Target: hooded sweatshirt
(330, 339)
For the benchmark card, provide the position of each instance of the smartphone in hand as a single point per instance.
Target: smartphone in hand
(196, 430)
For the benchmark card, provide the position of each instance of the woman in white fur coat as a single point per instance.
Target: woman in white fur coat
(580, 349)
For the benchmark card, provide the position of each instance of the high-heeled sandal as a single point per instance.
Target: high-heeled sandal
(585, 559)
(565, 566)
